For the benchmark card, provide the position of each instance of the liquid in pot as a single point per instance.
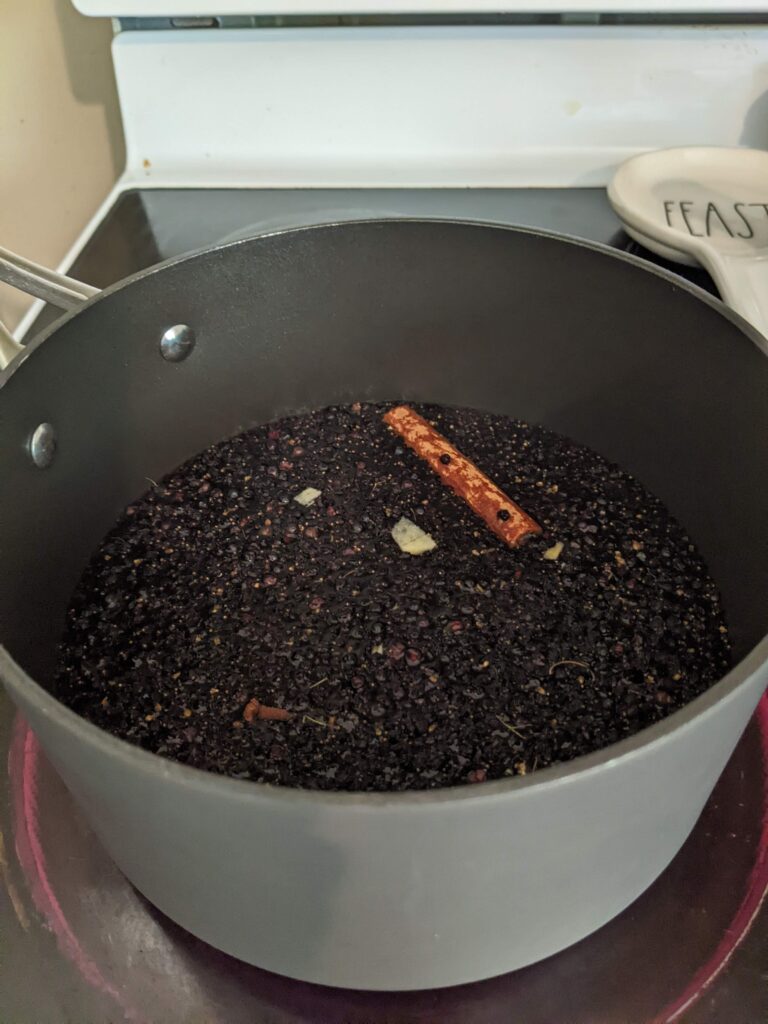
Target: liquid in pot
(252, 615)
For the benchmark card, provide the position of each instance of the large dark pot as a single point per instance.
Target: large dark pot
(401, 890)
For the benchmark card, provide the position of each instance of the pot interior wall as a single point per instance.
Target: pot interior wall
(549, 331)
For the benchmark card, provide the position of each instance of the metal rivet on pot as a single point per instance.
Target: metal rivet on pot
(177, 342)
(42, 445)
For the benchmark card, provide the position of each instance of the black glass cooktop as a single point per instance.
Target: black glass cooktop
(146, 226)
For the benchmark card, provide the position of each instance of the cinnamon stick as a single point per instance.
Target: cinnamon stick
(495, 508)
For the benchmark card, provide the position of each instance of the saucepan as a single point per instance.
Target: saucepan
(401, 890)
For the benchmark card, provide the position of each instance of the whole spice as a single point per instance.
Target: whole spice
(495, 508)
(255, 709)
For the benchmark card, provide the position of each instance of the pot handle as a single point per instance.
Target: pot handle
(61, 291)
(9, 347)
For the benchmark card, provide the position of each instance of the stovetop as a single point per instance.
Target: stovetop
(78, 944)
(145, 226)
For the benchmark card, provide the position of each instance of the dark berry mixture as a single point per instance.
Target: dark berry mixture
(219, 603)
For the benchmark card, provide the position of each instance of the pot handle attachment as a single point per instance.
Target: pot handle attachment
(61, 291)
(9, 347)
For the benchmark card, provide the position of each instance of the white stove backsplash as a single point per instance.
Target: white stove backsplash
(431, 106)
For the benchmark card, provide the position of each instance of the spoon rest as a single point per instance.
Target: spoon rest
(703, 205)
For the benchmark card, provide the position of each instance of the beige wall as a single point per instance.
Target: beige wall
(60, 136)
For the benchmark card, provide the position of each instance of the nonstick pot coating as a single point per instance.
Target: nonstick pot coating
(407, 890)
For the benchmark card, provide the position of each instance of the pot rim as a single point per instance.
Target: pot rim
(556, 775)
